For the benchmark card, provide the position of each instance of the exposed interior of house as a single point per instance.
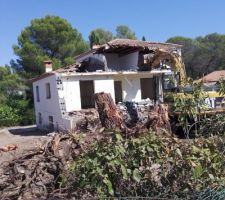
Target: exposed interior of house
(128, 70)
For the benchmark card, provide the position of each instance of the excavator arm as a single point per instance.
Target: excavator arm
(175, 60)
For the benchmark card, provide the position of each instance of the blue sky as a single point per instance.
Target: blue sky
(156, 20)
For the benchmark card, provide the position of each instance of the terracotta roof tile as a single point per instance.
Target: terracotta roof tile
(214, 76)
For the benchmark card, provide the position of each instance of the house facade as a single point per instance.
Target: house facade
(129, 70)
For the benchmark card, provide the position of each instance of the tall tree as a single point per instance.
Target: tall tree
(189, 48)
(125, 32)
(50, 37)
(202, 55)
(143, 38)
(100, 36)
(10, 83)
(14, 108)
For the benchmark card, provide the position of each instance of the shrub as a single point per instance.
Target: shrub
(150, 166)
(8, 116)
(16, 110)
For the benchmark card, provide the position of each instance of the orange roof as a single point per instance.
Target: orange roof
(214, 76)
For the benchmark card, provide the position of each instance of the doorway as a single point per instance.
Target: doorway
(87, 94)
(148, 89)
(118, 91)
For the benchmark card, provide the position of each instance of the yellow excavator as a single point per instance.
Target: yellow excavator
(175, 83)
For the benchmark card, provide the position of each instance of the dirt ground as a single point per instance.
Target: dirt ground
(26, 138)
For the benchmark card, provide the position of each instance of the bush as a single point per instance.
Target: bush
(150, 166)
(16, 110)
(8, 116)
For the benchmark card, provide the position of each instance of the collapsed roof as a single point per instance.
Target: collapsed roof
(160, 51)
(126, 46)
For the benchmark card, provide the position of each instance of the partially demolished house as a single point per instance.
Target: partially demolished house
(129, 70)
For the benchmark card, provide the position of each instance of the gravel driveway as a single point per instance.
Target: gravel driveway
(26, 138)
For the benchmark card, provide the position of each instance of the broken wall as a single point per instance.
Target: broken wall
(131, 88)
(71, 89)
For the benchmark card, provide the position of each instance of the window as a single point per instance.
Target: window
(48, 91)
(37, 93)
(118, 91)
(39, 118)
(51, 123)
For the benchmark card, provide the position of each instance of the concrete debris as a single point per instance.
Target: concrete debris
(131, 117)
(86, 120)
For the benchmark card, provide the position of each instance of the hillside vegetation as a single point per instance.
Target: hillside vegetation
(203, 54)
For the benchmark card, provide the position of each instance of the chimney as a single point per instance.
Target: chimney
(48, 65)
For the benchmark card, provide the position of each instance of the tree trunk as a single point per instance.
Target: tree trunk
(159, 119)
(108, 112)
(148, 117)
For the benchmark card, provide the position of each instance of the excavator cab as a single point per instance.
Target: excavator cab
(171, 81)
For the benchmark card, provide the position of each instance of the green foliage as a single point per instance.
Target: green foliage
(210, 125)
(212, 193)
(189, 104)
(100, 36)
(10, 83)
(125, 32)
(15, 110)
(8, 116)
(50, 37)
(202, 55)
(221, 87)
(150, 166)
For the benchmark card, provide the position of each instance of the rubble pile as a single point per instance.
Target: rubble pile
(134, 113)
(131, 117)
(126, 117)
(86, 120)
(39, 173)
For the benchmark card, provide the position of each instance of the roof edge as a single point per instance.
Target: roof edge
(42, 76)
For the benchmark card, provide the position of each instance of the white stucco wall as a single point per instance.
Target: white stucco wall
(71, 89)
(71, 94)
(125, 62)
(129, 61)
(106, 86)
(131, 86)
(112, 61)
(48, 107)
(131, 89)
